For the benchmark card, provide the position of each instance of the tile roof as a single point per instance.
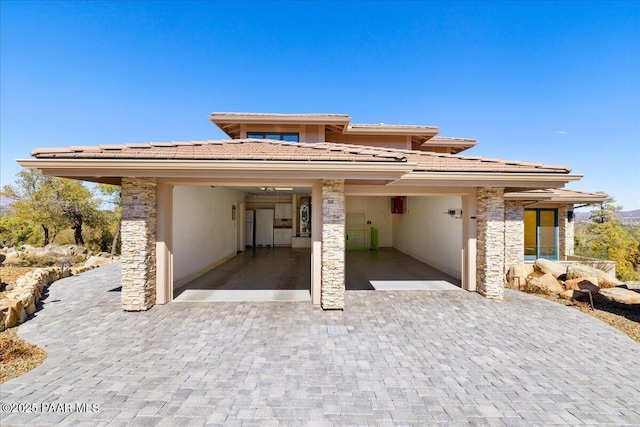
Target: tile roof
(269, 150)
(233, 149)
(558, 195)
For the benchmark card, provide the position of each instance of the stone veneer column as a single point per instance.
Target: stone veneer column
(565, 232)
(513, 233)
(138, 243)
(490, 254)
(333, 244)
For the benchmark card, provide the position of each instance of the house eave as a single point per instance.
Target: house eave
(410, 131)
(553, 199)
(489, 179)
(281, 119)
(110, 168)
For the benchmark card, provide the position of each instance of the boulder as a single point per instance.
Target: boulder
(11, 315)
(633, 286)
(576, 271)
(77, 270)
(518, 275)
(545, 266)
(12, 258)
(31, 308)
(583, 284)
(574, 294)
(621, 296)
(545, 284)
(8, 288)
(96, 261)
(14, 314)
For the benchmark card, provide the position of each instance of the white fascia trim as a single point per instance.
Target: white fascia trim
(552, 199)
(390, 131)
(490, 179)
(280, 120)
(134, 167)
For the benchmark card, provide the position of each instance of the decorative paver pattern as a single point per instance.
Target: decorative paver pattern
(408, 358)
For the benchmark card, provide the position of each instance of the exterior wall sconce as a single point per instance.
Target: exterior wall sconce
(454, 213)
(570, 216)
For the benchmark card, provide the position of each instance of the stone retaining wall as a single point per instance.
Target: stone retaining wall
(22, 301)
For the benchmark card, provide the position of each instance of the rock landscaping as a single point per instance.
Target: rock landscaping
(20, 299)
(552, 278)
(615, 303)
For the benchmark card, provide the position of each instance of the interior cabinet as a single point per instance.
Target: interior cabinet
(282, 237)
(284, 210)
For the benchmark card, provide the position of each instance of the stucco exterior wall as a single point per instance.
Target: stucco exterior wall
(376, 209)
(138, 243)
(426, 233)
(490, 253)
(204, 233)
(391, 141)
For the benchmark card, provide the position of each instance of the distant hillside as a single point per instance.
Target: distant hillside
(4, 205)
(627, 217)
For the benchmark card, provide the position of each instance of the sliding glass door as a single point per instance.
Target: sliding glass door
(541, 234)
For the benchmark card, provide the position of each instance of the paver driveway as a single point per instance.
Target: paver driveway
(407, 358)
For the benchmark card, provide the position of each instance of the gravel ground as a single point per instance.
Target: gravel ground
(627, 321)
(16, 355)
(9, 274)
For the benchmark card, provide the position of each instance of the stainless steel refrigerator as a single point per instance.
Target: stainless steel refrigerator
(264, 227)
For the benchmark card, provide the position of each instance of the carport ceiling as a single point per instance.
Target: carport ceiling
(272, 190)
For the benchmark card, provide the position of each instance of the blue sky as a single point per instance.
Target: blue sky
(552, 82)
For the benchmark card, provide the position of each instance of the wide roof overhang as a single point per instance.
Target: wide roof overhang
(110, 171)
(267, 159)
(557, 195)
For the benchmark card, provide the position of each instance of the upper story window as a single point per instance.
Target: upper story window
(279, 136)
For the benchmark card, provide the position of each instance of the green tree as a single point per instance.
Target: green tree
(33, 202)
(112, 195)
(78, 205)
(605, 212)
(52, 203)
(607, 236)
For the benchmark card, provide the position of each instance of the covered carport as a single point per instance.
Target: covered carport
(214, 260)
(149, 172)
(395, 241)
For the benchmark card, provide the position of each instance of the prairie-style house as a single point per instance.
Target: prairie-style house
(329, 187)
